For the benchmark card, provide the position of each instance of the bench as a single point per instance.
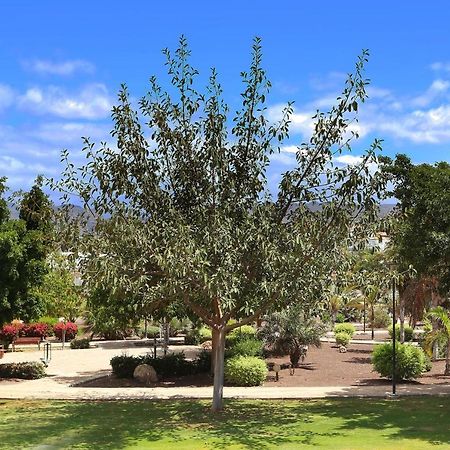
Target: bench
(26, 341)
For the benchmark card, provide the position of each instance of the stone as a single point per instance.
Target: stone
(342, 349)
(145, 374)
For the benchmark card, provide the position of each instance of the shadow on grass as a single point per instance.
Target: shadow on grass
(248, 424)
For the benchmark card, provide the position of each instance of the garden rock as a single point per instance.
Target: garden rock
(207, 345)
(145, 374)
(342, 349)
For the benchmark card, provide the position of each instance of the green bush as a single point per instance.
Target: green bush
(79, 344)
(152, 331)
(410, 361)
(205, 334)
(171, 365)
(240, 334)
(22, 370)
(409, 333)
(342, 339)
(123, 366)
(245, 371)
(381, 317)
(247, 347)
(340, 318)
(345, 328)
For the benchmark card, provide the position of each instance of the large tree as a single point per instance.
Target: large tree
(185, 211)
(23, 251)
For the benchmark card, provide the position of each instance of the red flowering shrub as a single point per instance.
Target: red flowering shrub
(35, 330)
(70, 327)
(8, 333)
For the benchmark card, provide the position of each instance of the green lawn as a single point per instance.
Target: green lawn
(408, 423)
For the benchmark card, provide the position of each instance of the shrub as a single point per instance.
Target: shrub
(123, 366)
(79, 344)
(23, 370)
(340, 318)
(247, 347)
(242, 333)
(410, 361)
(203, 362)
(39, 329)
(381, 317)
(171, 365)
(409, 332)
(8, 333)
(70, 327)
(345, 328)
(342, 339)
(205, 334)
(245, 371)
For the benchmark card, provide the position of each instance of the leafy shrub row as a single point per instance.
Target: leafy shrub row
(174, 364)
(246, 347)
(70, 328)
(243, 333)
(23, 370)
(411, 361)
(245, 371)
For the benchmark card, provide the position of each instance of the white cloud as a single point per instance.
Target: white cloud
(6, 96)
(91, 102)
(63, 133)
(59, 68)
(350, 160)
(440, 66)
(437, 88)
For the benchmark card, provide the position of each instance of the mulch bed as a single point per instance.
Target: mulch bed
(322, 367)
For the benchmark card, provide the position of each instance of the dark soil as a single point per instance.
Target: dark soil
(322, 367)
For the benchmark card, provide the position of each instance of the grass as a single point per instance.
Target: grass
(407, 423)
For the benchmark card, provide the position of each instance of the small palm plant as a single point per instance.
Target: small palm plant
(291, 331)
(441, 316)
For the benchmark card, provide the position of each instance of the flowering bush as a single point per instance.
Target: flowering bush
(8, 333)
(70, 327)
(35, 330)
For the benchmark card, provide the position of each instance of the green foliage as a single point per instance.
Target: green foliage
(246, 371)
(409, 332)
(340, 318)
(410, 361)
(242, 333)
(245, 347)
(171, 365)
(381, 317)
(290, 331)
(201, 225)
(50, 321)
(205, 334)
(342, 338)
(123, 366)
(422, 236)
(347, 328)
(79, 343)
(58, 293)
(23, 370)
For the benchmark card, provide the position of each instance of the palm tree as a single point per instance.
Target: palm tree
(441, 316)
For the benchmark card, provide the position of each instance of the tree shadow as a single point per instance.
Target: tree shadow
(248, 424)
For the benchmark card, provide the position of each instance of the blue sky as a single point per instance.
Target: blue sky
(62, 64)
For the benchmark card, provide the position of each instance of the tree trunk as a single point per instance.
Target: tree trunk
(402, 319)
(447, 360)
(214, 346)
(294, 356)
(372, 311)
(219, 363)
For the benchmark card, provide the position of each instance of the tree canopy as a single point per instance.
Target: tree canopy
(184, 208)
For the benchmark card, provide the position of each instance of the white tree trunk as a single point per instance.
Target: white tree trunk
(219, 363)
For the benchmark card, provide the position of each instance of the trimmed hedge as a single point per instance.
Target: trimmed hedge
(342, 338)
(246, 371)
(70, 327)
(79, 344)
(24, 370)
(345, 328)
(171, 365)
(410, 361)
